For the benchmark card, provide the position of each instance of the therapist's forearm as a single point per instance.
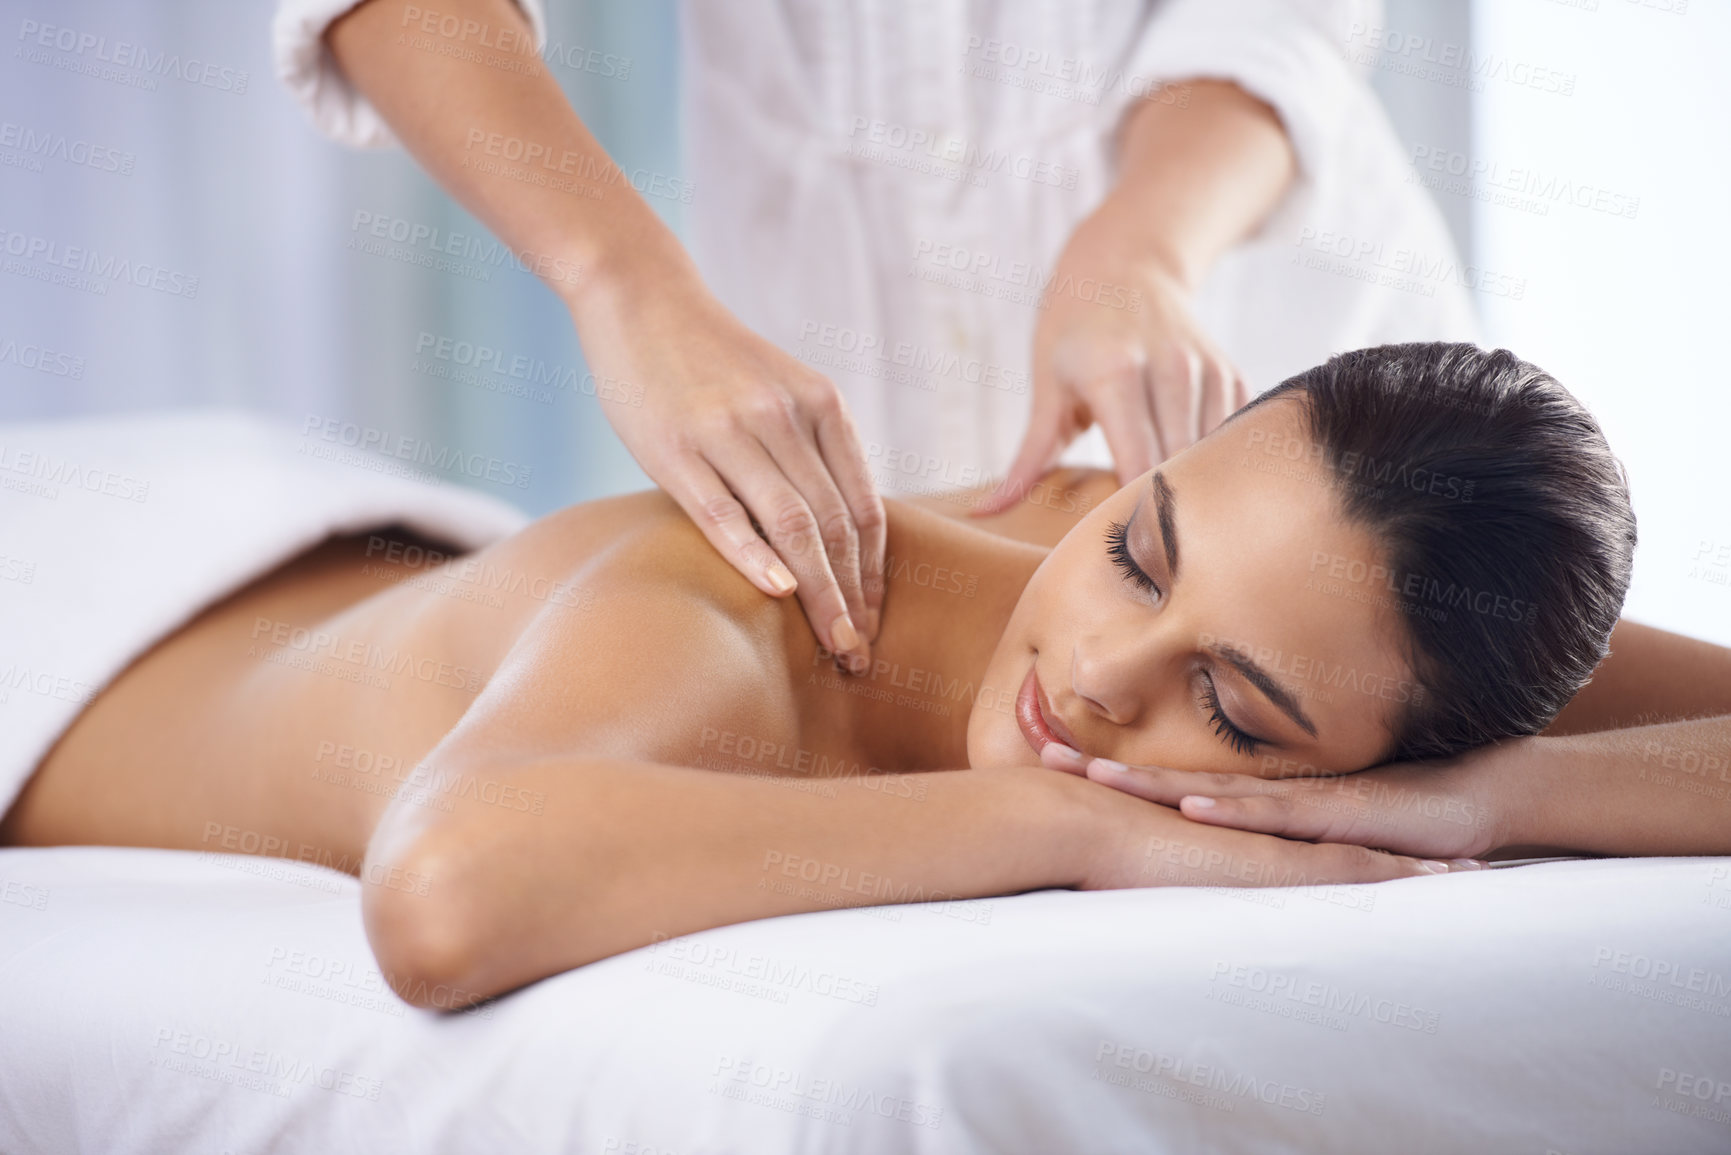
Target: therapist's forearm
(561, 206)
(1200, 166)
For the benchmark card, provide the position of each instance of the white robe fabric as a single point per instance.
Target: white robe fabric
(884, 189)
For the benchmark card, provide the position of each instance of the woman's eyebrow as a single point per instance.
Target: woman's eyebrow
(1284, 700)
(1163, 496)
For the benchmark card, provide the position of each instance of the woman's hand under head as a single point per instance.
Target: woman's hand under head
(1192, 620)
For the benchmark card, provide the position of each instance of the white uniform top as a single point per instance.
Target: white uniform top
(884, 188)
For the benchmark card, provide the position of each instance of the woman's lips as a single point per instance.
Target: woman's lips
(1035, 717)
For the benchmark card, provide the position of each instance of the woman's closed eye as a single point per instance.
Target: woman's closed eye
(1118, 549)
(1237, 739)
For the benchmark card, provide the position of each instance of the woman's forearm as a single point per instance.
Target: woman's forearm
(1648, 790)
(624, 854)
(1651, 675)
(500, 136)
(1200, 166)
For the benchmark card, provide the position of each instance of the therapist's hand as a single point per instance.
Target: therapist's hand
(1116, 343)
(1453, 809)
(733, 429)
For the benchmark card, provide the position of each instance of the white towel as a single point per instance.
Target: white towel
(115, 532)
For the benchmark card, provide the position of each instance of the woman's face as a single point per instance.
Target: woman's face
(1217, 630)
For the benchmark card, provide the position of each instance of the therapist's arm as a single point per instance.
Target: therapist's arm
(725, 422)
(1200, 166)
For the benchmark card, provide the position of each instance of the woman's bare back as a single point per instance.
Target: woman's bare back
(284, 719)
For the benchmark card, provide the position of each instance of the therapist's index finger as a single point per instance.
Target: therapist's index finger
(727, 524)
(839, 444)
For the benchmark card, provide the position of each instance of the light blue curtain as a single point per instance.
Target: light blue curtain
(151, 176)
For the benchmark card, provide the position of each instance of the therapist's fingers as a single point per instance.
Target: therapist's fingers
(838, 441)
(1120, 405)
(1218, 390)
(1240, 392)
(794, 532)
(1175, 378)
(1041, 445)
(694, 484)
(794, 449)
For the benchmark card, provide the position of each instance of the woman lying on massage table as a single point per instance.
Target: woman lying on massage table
(1413, 552)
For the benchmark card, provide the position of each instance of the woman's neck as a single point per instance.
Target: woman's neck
(949, 592)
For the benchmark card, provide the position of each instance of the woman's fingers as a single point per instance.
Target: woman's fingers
(1155, 783)
(1338, 863)
(1267, 815)
(1417, 809)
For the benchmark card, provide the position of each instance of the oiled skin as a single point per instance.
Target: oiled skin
(204, 744)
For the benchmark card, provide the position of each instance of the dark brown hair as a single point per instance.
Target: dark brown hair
(1505, 522)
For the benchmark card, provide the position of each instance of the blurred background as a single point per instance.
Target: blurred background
(1575, 147)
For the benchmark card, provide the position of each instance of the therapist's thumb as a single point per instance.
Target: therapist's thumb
(1040, 447)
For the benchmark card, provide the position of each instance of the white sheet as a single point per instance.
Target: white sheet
(114, 532)
(1572, 1007)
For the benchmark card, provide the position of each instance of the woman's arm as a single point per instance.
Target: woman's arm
(1650, 675)
(721, 419)
(623, 854)
(1639, 763)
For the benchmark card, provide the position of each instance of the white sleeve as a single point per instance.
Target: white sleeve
(1296, 55)
(308, 71)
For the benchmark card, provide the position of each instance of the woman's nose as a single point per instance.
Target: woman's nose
(1112, 675)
